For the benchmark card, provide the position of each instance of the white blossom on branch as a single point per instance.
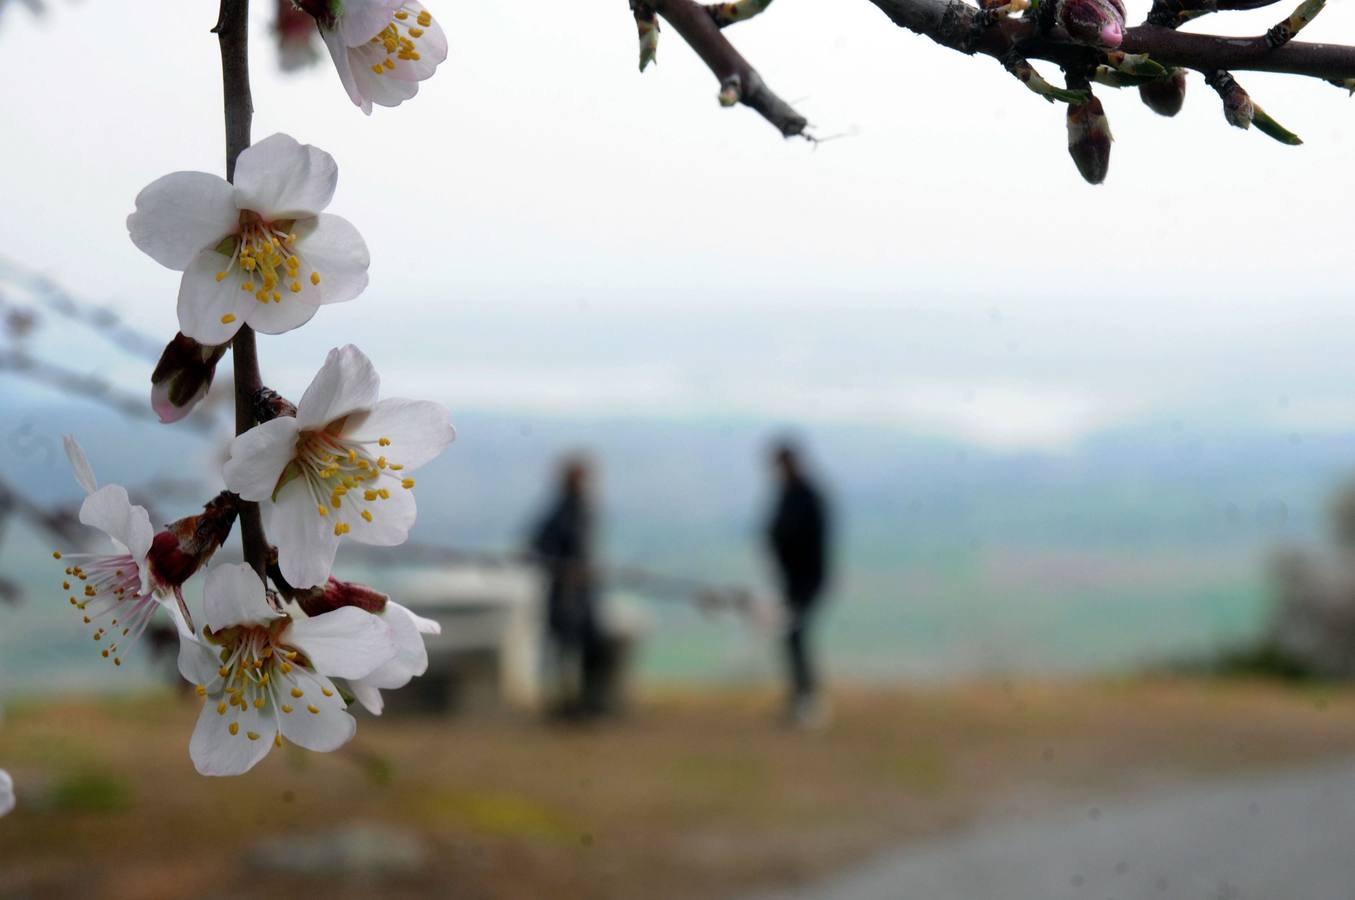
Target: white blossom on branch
(259, 252)
(340, 467)
(382, 49)
(265, 676)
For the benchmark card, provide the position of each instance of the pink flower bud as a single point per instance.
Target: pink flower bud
(1165, 97)
(1099, 23)
(334, 594)
(1089, 139)
(187, 544)
(182, 377)
(295, 30)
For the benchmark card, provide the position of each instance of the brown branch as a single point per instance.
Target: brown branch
(949, 23)
(1171, 13)
(232, 29)
(738, 80)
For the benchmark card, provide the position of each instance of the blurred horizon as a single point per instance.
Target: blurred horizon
(1140, 546)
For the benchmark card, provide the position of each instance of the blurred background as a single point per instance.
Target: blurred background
(1085, 451)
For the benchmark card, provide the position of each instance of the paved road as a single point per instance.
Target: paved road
(1281, 837)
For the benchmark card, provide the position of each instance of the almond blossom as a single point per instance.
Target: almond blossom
(258, 252)
(340, 466)
(111, 586)
(265, 676)
(382, 49)
(119, 592)
(407, 630)
(6, 793)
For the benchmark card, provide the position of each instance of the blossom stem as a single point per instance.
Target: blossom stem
(232, 31)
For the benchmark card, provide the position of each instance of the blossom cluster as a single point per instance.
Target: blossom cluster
(279, 647)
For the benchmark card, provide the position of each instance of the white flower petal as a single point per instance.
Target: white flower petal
(332, 247)
(215, 751)
(411, 657)
(346, 383)
(329, 728)
(199, 664)
(234, 595)
(338, 51)
(109, 510)
(418, 430)
(391, 518)
(181, 214)
(362, 19)
(280, 316)
(347, 642)
(6, 793)
(383, 90)
(211, 311)
(368, 696)
(84, 474)
(431, 47)
(280, 178)
(305, 540)
(259, 456)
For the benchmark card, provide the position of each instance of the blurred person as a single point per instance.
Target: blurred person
(798, 535)
(562, 543)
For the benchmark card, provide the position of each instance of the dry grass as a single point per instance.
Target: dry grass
(692, 796)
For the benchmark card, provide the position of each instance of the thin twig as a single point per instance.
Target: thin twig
(739, 81)
(232, 29)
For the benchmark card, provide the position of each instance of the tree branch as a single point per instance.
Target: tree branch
(232, 30)
(739, 81)
(949, 22)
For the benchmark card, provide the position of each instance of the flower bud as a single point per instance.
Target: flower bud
(188, 544)
(1237, 105)
(294, 30)
(1098, 23)
(323, 11)
(1089, 139)
(182, 377)
(1166, 96)
(268, 405)
(647, 25)
(334, 594)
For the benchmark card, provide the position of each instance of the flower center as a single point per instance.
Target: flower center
(397, 41)
(256, 669)
(344, 479)
(263, 256)
(109, 587)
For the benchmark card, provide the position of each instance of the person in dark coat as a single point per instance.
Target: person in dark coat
(562, 543)
(798, 537)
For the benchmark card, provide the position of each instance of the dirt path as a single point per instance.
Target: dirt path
(696, 795)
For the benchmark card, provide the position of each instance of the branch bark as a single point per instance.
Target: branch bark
(694, 23)
(232, 31)
(948, 23)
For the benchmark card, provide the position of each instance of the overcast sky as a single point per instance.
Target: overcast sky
(553, 232)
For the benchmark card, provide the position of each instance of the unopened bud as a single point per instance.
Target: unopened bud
(1237, 105)
(1099, 23)
(647, 26)
(731, 89)
(269, 405)
(335, 594)
(182, 377)
(1089, 139)
(326, 12)
(186, 545)
(294, 30)
(1165, 96)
